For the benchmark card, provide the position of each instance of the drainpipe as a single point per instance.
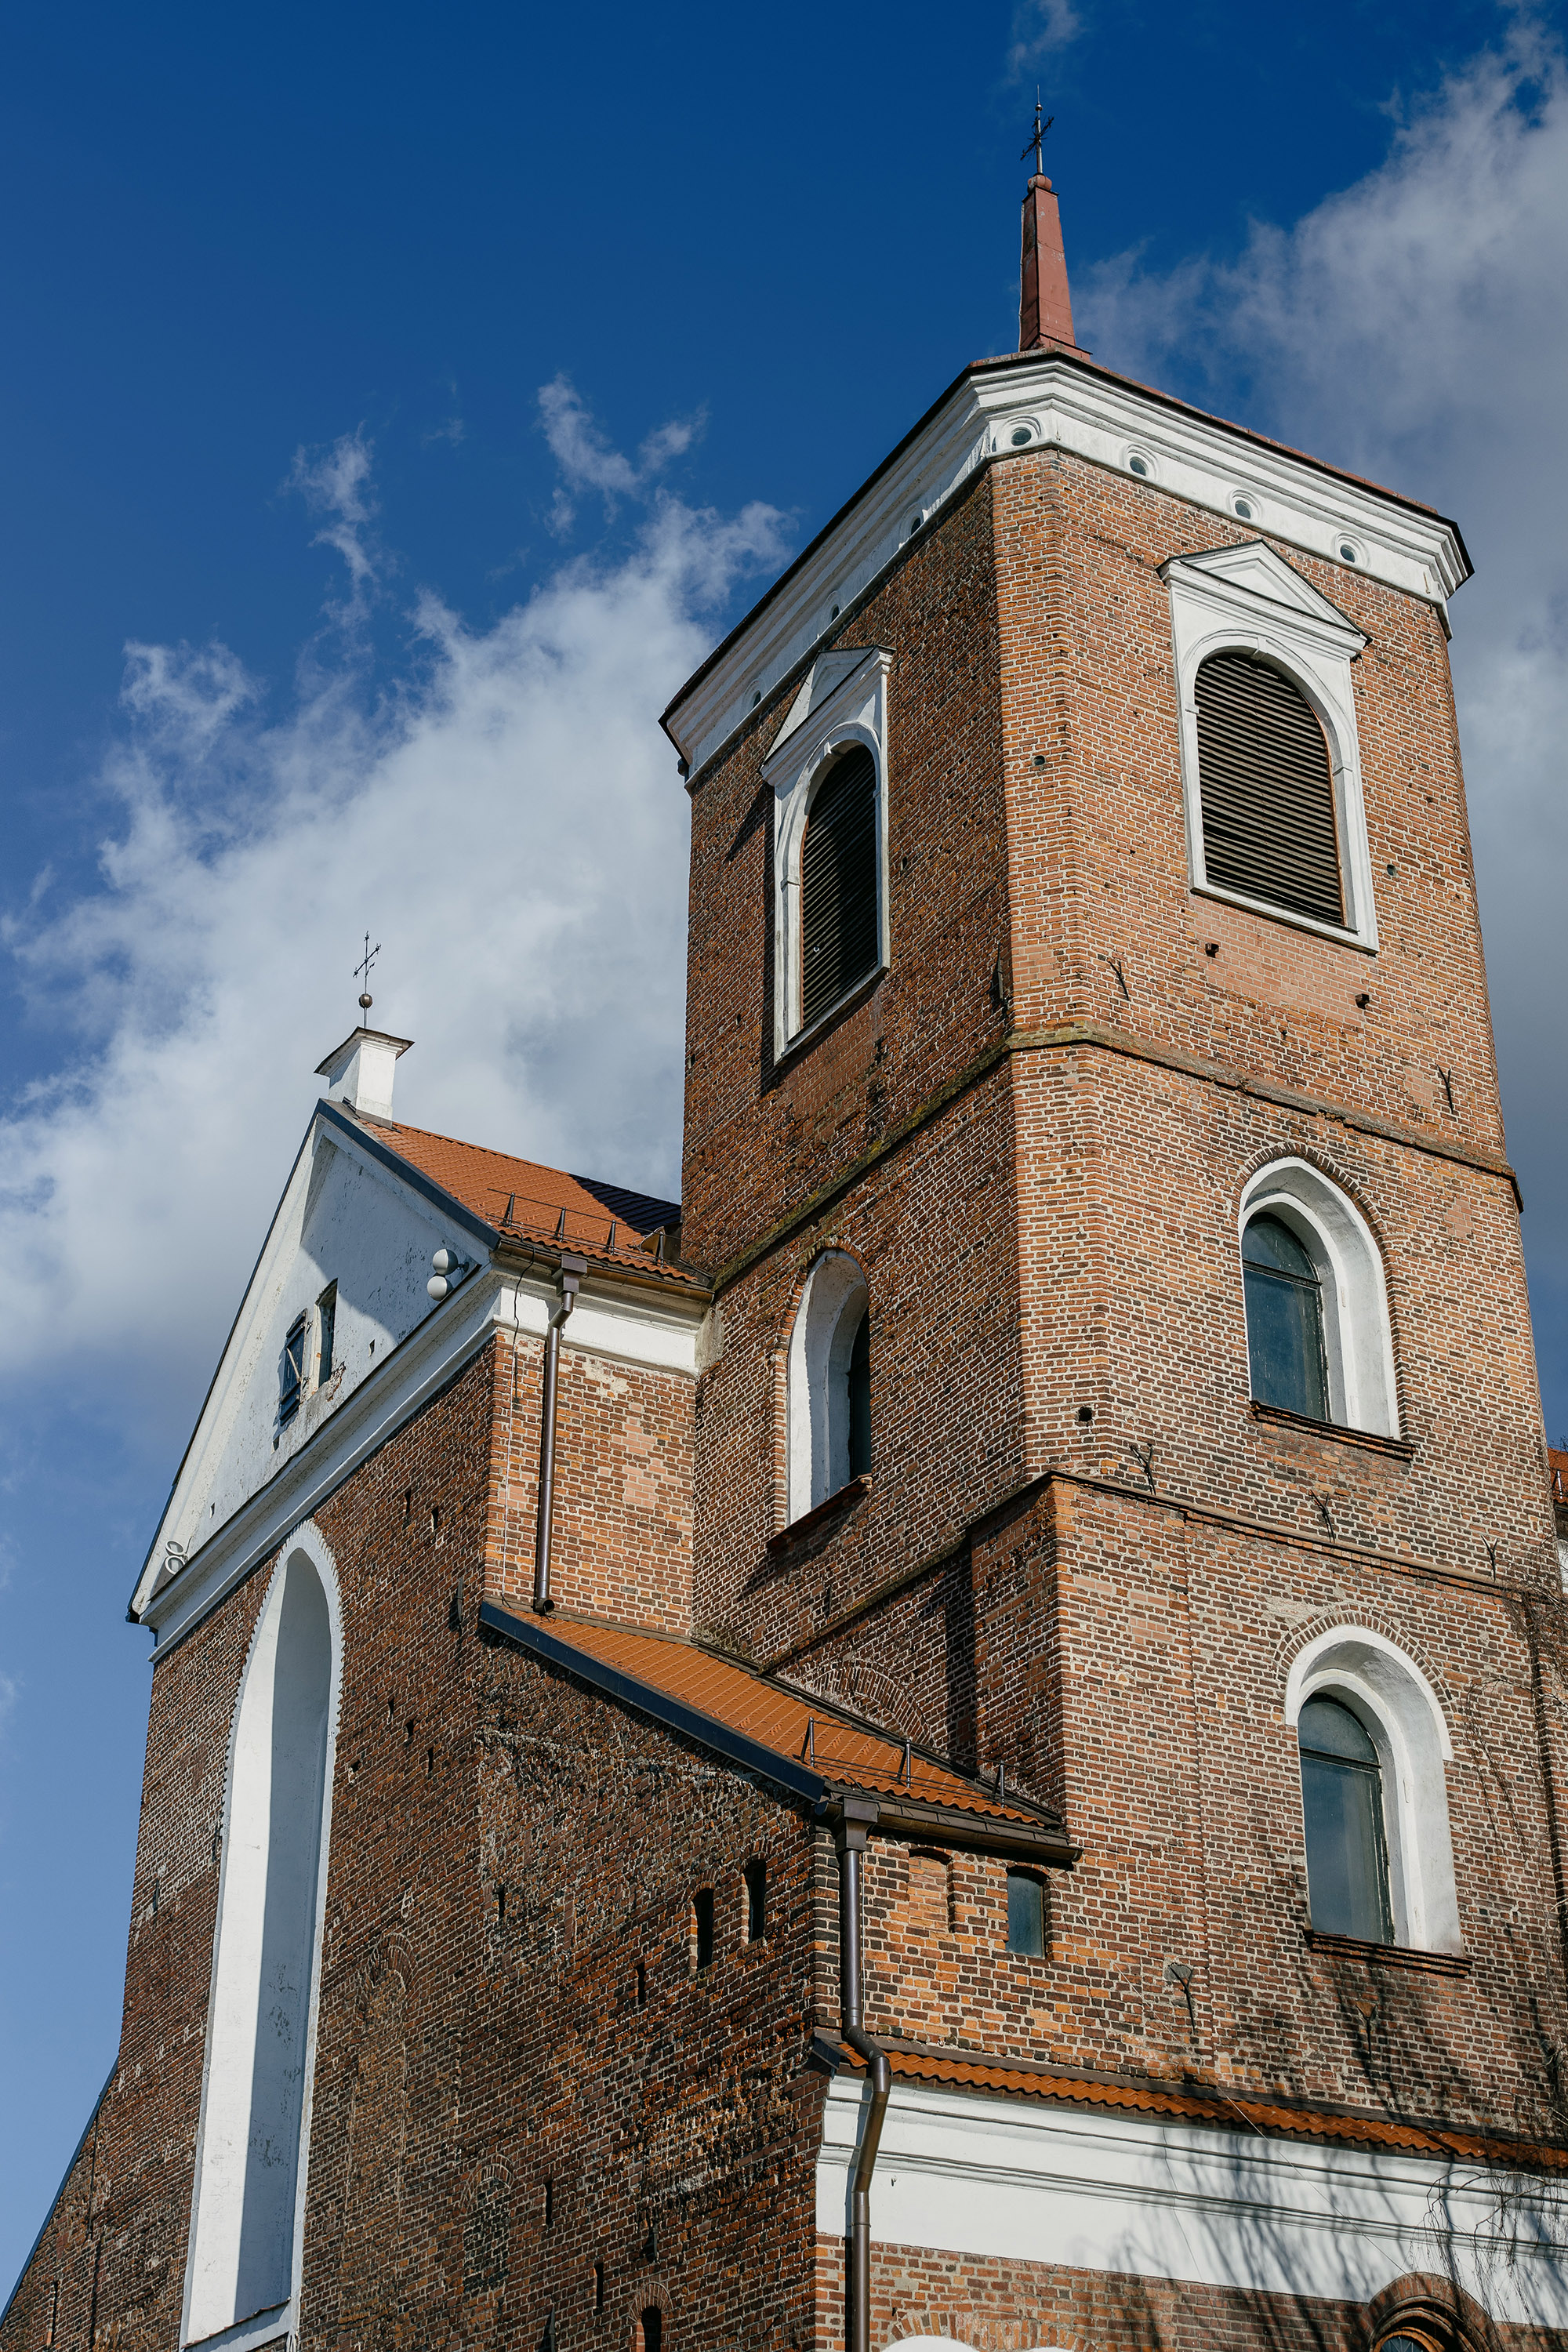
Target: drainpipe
(573, 1269)
(859, 1817)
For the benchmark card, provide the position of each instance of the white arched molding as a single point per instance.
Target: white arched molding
(843, 699)
(243, 2273)
(1391, 1696)
(1357, 1339)
(825, 1322)
(1248, 599)
(949, 2343)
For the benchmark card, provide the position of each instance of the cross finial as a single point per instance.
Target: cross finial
(1037, 136)
(363, 971)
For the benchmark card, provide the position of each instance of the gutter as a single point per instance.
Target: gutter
(858, 1816)
(571, 1270)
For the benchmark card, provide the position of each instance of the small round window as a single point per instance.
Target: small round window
(1022, 436)
(1347, 552)
(1139, 466)
(1243, 508)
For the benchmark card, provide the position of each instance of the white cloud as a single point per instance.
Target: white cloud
(1414, 328)
(335, 484)
(1039, 27)
(588, 460)
(506, 818)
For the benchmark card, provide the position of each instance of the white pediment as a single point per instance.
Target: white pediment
(1256, 572)
(347, 1219)
(821, 682)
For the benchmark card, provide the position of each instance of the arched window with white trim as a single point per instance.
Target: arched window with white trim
(1319, 1342)
(1374, 1746)
(244, 2257)
(829, 1383)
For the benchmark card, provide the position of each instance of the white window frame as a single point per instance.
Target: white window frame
(835, 1296)
(1358, 1339)
(842, 701)
(1397, 1707)
(1247, 599)
(251, 2330)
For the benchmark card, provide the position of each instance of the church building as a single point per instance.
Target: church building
(960, 1739)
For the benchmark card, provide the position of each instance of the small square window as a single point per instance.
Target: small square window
(1026, 1916)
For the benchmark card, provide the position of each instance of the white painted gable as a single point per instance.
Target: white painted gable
(1256, 570)
(345, 1218)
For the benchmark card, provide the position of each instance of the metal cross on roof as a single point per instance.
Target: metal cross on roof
(1036, 137)
(363, 970)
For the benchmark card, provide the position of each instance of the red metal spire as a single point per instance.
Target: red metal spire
(1045, 306)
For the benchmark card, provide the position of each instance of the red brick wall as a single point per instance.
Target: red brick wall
(621, 1526)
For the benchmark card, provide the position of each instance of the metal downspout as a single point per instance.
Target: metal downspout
(573, 1269)
(858, 1819)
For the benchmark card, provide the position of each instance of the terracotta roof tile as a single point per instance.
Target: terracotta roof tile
(520, 1198)
(1557, 1473)
(1215, 2107)
(793, 1724)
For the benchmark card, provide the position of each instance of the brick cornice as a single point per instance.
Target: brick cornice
(1195, 1065)
(1065, 1035)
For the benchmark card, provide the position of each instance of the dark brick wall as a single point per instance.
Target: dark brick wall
(466, 2056)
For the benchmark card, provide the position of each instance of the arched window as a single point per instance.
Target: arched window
(255, 2105)
(1267, 787)
(829, 1383)
(649, 2330)
(1318, 1336)
(1374, 1746)
(1284, 1319)
(839, 929)
(1341, 1802)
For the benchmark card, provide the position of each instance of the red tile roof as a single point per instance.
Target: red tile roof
(817, 1743)
(1202, 2105)
(518, 1198)
(1557, 1474)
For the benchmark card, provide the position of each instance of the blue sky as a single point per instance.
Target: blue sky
(397, 405)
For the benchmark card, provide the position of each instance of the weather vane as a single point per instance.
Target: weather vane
(1035, 139)
(362, 970)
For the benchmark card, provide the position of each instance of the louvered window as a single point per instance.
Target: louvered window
(1268, 790)
(291, 1371)
(839, 942)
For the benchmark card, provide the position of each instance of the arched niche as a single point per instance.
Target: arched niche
(832, 1307)
(244, 2257)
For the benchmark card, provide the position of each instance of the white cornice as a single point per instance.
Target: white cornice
(1061, 404)
(962, 2174)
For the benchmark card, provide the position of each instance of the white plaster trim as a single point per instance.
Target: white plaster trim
(1358, 1340)
(825, 1322)
(1199, 459)
(1150, 2197)
(852, 709)
(1245, 598)
(1391, 1696)
(261, 2327)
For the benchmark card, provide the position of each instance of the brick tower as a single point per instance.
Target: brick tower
(1177, 963)
(959, 1739)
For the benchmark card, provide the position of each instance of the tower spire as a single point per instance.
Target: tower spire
(1044, 305)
